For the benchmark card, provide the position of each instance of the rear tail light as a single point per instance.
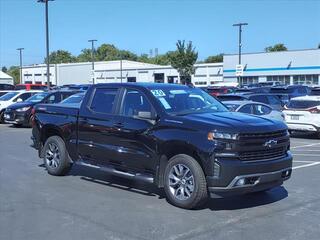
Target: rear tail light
(314, 110)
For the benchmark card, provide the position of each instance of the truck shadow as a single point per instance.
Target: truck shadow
(138, 187)
(248, 200)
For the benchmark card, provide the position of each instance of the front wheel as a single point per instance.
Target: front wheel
(56, 158)
(184, 182)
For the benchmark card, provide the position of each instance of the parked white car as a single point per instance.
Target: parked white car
(303, 114)
(13, 97)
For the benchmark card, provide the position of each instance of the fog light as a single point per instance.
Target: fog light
(240, 182)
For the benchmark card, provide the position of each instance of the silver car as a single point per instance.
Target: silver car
(254, 108)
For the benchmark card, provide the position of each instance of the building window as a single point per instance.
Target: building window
(249, 80)
(285, 79)
(37, 74)
(200, 83)
(28, 75)
(131, 79)
(28, 82)
(306, 79)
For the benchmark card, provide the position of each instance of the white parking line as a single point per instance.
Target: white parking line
(298, 161)
(306, 155)
(308, 145)
(306, 165)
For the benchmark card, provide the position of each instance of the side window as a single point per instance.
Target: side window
(135, 102)
(273, 100)
(23, 96)
(259, 98)
(103, 100)
(246, 109)
(261, 109)
(53, 98)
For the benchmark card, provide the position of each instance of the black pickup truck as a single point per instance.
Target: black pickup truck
(176, 137)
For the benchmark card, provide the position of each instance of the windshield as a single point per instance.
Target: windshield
(77, 98)
(8, 96)
(37, 97)
(298, 104)
(185, 100)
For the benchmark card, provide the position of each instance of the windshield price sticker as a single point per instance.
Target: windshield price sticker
(158, 93)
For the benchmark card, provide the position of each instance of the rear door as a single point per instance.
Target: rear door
(96, 127)
(134, 133)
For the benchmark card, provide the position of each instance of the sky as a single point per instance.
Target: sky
(141, 25)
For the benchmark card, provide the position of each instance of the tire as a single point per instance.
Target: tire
(190, 191)
(2, 117)
(56, 158)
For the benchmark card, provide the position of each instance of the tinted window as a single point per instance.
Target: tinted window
(23, 96)
(103, 100)
(8, 96)
(259, 98)
(53, 98)
(37, 97)
(246, 109)
(273, 100)
(76, 98)
(135, 102)
(303, 104)
(315, 92)
(261, 109)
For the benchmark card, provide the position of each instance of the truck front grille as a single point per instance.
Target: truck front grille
(263, 154)
(267, 135)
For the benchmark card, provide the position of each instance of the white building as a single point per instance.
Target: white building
(5, 78)
(111, 71)
(288, 67)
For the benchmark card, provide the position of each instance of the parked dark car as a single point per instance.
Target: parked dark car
(5, 86)
(174, 136)
(291, 90)
(270, 99)
(20, 113)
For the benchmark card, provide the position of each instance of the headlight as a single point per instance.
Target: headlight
(222, 135)
(23, 109)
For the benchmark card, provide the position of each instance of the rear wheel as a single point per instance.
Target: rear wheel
(2, 117)
(184, 182)
(56, 158)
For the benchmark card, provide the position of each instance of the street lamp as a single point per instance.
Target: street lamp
(92, 56)
(47, 39)
(240, 44)
(20, 52)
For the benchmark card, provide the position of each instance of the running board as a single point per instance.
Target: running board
(111, 170)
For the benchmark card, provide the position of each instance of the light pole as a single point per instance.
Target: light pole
(92, 57)
(240, 44)
(20, 52)
(47, 39)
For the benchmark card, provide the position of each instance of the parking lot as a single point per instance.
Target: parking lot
(88, 204)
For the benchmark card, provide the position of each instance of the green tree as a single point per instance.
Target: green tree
(84, 56)
(14, 71)
(107, 52)
(276, 48)
(60, 56)
(214, 59)
(4, 69)
(183, 60)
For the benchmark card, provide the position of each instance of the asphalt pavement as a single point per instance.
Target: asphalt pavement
(88, 204)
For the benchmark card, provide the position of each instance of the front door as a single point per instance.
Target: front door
(137, 145)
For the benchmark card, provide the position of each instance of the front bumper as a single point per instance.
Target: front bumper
(14, 117)
(303, 127)
(256, 175)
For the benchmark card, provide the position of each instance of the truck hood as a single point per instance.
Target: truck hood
(234, 122)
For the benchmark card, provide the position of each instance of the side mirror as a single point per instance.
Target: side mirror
(19, 100)
(148, 116)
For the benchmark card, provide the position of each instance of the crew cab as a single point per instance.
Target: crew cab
(177, 137)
